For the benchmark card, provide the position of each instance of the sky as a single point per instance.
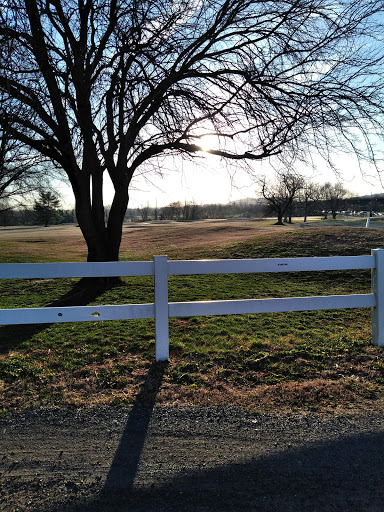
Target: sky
(214, 183)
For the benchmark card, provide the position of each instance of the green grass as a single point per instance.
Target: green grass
(283, 360)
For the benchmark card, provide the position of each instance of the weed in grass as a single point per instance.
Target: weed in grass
(23, 367)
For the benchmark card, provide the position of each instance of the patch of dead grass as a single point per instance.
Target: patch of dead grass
(39, 243)
(345, 387)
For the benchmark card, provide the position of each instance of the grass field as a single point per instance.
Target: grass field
(311, 360)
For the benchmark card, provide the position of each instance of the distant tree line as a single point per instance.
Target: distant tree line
(293, 195)
(289, 196)
(27, 217)
(45, 210)
(189, 211)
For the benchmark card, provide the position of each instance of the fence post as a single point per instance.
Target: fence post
(161, 307)
(378, 290)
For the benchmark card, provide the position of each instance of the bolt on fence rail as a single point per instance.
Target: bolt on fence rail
(161, 310)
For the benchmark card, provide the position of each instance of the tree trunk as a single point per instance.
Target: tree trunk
(103, 242)
(94, 233)
(115, 221)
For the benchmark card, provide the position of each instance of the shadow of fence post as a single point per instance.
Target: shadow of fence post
(125, 463)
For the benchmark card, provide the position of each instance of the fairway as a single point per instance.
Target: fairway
(278, 361)
(145, 239)
(140, 240)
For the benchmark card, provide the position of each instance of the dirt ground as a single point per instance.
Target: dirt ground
(191, 459)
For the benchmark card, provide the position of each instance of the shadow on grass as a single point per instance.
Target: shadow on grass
(82, 293)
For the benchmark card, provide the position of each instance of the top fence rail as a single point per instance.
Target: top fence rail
(183, 267)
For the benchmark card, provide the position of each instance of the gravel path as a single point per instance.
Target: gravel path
(183, 459)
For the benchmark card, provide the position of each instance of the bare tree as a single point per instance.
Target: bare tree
(310, 192)
(173, 211)
(191, 211)
(144, 212)
(105, 86)
(20, 172)
(333, 197)
(281, 194)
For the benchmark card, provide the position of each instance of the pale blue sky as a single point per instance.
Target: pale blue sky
(215, 184)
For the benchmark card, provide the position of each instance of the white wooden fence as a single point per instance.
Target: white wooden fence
(161, 309)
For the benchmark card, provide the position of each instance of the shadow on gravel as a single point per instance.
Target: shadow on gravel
(127, 457)
(345, 475)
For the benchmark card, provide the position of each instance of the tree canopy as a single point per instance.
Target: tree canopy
(105, 86)
(20, 171)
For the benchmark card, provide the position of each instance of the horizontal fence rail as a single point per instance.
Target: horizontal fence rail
(75, 314)
(270, 265)
(92, 269)
(228, 307)
(162, 310)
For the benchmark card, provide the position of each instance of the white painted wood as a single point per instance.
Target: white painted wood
(270, 265)
(91, 269)
(228, 307)
(75, 314)
(378, 290)
(161, 308)
(139, 268)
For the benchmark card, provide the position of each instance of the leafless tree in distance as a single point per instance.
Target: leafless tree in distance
(333, 197)
(114, 87)
(311, 191)
(280, 194)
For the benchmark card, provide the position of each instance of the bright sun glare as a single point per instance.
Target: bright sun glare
(206, 142)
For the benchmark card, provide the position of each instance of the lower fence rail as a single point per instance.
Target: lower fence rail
(75, 314)
(238, 307)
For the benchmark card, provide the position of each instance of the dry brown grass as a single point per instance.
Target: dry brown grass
(66, 243)
(353, 384)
